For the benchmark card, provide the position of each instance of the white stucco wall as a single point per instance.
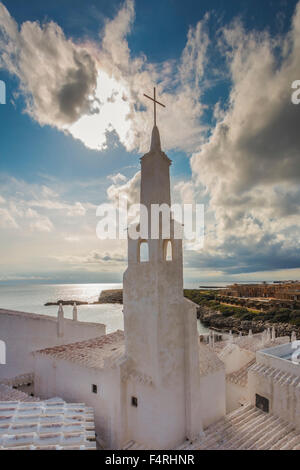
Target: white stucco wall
(235, 358)
(212, 397)
(146, 423)
(73, 383)
(283, 395)
(236, 395)
(25, 332)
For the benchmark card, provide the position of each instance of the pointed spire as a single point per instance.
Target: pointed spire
(155, 140)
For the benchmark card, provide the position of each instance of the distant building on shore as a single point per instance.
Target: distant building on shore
(287, 290)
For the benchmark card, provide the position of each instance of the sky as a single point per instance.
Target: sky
(75, 125)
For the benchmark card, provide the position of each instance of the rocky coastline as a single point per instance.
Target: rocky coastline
(112, 296)
(65, 302)
(213, 319)
(209, 317)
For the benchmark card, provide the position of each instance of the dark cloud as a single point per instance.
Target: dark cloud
(250, 164)
(244, 259)
(57, 76)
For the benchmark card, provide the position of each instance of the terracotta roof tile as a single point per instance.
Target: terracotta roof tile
(95, 353)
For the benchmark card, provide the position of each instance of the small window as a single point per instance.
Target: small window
(134, 402)
(168, 250)
(94, 388)
(144, 252)
(262, 403)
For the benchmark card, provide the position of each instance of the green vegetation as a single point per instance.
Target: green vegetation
(281, 315)
(208, 299)
(200, 297)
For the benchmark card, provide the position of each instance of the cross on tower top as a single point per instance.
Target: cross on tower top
(154, 102)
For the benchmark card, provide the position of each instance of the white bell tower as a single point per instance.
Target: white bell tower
(161, 373)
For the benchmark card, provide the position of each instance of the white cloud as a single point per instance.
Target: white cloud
(25, 208)
(71, 210)
(71, 239)
(6, 219)
(117, 178)
(42, 224)
(57, 76)
(90, 89)
(250, 165)
(95, 257)
(77, 210)
(129, 190)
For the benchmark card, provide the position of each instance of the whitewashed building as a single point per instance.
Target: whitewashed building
(154, 385)
(22, 333)
(238, 355)
(274, 383)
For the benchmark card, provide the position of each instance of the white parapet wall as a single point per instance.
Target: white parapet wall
(274, 383)
(88, 372)
(74, 383)
(24, 333)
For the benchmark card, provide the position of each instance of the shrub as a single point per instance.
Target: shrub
(295, 314)
(283, 317)
(263, 317)
(226, 312)
(239, 312)
(198, 296)
(295, 321)
(248, 316)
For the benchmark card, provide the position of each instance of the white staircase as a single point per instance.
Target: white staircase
(247, 428)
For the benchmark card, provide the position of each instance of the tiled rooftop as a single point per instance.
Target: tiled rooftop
(208, 360)
(278, 376)
(251, 344)
(95, 353)
(10, 394)
(240, 377)
(19, 380)
(247, 428)
(46, 425)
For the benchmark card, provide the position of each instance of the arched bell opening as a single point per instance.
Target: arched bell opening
(143, 252)
(168, 250)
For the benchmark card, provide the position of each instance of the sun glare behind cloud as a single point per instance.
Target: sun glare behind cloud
(112, 114)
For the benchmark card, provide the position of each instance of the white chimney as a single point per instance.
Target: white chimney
(273, 333)
(75, 312)
(60, 321)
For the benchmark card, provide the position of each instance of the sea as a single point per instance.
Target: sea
(32, 297)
